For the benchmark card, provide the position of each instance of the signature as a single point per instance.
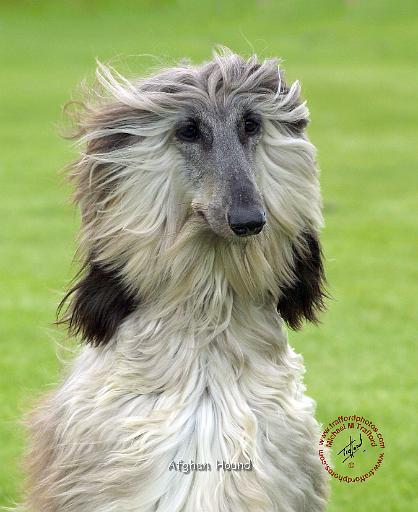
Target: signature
(350, 449)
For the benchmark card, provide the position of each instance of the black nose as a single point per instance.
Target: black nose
(246, 221)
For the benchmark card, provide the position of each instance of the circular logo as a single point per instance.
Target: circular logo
(357, 447)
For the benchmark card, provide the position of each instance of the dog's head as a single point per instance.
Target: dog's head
(187, 165)
(233, 106)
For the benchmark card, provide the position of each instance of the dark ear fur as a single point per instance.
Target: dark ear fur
(304, 298)
(99, 303)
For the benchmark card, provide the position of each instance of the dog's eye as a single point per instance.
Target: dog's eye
(251, 126)
(188, 133)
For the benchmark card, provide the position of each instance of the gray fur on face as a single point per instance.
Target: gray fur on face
(221, 164)
(220, 167)
(217, 98)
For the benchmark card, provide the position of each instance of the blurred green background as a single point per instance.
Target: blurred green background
(357, 61)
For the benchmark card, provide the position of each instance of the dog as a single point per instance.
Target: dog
(200, 218)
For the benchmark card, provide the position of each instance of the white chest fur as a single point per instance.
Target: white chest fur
(129, 418)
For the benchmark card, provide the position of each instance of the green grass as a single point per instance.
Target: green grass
(357, 64)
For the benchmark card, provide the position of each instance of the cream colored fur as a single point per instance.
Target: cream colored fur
(202, 370)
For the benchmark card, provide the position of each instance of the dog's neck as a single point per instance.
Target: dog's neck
(165, 347)
(208, 292)
(199, 273)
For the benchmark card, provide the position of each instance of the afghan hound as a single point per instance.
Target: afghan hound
(200, 211)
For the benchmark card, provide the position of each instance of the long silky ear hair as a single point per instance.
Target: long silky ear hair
(304, 298)
(99, 302)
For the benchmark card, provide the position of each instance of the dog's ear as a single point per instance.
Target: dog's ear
(297, 126)
(99, 302)
(304, 298)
